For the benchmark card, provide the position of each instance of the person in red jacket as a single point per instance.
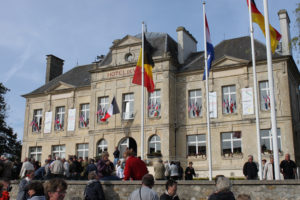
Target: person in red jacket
(135, 168)
(5, 188)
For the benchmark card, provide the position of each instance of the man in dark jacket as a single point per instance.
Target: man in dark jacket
(223, 190)
(250, 169)
(93, 190)
(171, 189)
(288, 167)
(189, 172)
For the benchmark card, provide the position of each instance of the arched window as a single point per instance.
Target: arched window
(154, 144)
(101, 146)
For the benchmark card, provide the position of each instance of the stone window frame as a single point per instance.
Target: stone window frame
(59, 120)
(82, 147)
(84, 115)
(227, 103)
(235, 136)
(128, 106)
(154, 108)
(37, 120)
(35, 152)
(264, 93)
(61, 151)
(269, 139)
(154, 139)
(194, 98)
(104, 106)
(199, 139)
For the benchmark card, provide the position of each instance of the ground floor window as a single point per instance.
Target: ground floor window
(196, 145)
(266, 141)
(82, 150)
(35, 153)
(59, 151)
(101, 147)
(154, 146)
(231, 143)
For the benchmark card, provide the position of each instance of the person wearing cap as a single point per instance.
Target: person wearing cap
(145, 192)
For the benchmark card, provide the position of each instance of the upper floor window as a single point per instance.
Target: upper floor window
(82, 150)
(59, 151)
(266, 141)
(103, 106)
(35, 153)
(84, 117)
(128, 106)
(264, 95)
(195, 103)
(154, 144)
(59, 118)
(196, 145)
(154, 104)
(229, 99)
(231, 143)
(37, 120)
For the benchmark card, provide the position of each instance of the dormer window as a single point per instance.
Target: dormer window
(129, 57)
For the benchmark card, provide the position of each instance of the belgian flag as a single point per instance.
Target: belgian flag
(258, 18)
(148, 65)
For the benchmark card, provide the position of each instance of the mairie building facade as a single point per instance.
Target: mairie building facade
(63, 117)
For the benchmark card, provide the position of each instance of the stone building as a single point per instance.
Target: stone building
(63, 116)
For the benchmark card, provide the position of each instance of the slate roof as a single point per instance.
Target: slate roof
(77, 77)
(238, 48)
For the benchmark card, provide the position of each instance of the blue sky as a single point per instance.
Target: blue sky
(77, 31)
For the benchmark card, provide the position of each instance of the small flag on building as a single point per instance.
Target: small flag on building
(148, 65)
(210, 49)
(113, 109)
(258, 18)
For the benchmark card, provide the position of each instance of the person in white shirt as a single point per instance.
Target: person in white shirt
(27, 165)
(120, 169)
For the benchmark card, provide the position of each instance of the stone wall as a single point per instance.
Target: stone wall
(190, 190)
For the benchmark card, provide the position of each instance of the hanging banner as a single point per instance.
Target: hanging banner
(213, 105)
(48, 122)
(247, 101)
(71, 119)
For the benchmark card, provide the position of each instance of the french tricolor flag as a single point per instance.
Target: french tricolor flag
(113, 109)
(210, 49)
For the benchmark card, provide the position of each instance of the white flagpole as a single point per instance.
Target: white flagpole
(255, 94)
(142, 101)
(272, 97)
(207, 99)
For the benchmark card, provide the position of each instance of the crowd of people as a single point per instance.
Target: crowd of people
(130, 167)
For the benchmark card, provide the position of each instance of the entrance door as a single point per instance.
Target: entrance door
(127, 143)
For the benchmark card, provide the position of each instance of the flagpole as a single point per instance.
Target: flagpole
(255, 92)
(207, 98)
(142, 101)
(271, 88)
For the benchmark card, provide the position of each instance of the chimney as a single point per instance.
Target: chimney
(187, 44)
(285, 32)
(54, 67)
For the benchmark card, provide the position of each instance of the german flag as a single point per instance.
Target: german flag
(258, 18)
(148, 65)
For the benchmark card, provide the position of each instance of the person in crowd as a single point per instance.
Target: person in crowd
(159, 170)
(189, 172)
(135, 168)
(91, 167)
(72, 169)
(243, 197)
(269, 172)
(180, 171)
(105, 168)
(171, 189)
(250, 169)
(7, 168)
(47, 169)
(50, 158)
(120, 169)
(35, 191)
(22, 193)
(174, 171)
(5, 188)
(263, 163)
(40, 173)
(145, 192)
(93, 190)
(57, 168)
(66, 166)
(116, 155)
(17, 165)
(78, 168)
(167, 170)
(84, 165)
(222, 190)
(27, 165)
(288, 167)
(36, 164)
(55, 189)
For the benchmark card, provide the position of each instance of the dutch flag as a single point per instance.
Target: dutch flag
(113, 109)
(210, 49)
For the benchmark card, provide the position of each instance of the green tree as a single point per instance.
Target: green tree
(296, 39)
(9, 143)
